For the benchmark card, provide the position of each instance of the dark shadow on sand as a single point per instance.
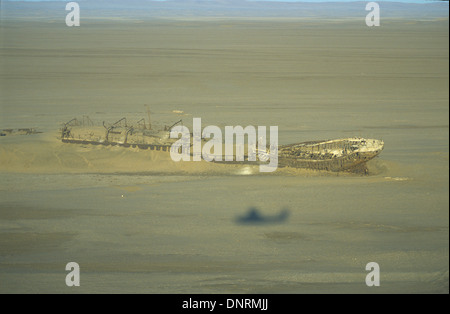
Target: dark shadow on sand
(254, 217)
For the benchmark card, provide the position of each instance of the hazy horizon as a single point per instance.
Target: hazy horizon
(142, 10)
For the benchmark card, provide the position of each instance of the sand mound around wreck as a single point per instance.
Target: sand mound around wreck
(45, 153)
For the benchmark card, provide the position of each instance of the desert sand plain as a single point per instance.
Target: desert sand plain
(136, 222)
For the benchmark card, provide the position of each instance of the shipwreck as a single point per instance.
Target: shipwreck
(346, 154)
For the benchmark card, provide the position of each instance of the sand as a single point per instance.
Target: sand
(138, 223)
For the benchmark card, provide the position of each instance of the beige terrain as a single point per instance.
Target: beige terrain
(135, 221)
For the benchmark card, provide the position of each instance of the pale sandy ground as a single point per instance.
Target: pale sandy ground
(136, 222)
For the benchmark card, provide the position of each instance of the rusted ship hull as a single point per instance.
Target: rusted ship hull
(118, 134)
(348, 154)
(331, 155)
(157, 147)
(346, 163)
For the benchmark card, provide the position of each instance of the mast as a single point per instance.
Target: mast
(148, 114)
